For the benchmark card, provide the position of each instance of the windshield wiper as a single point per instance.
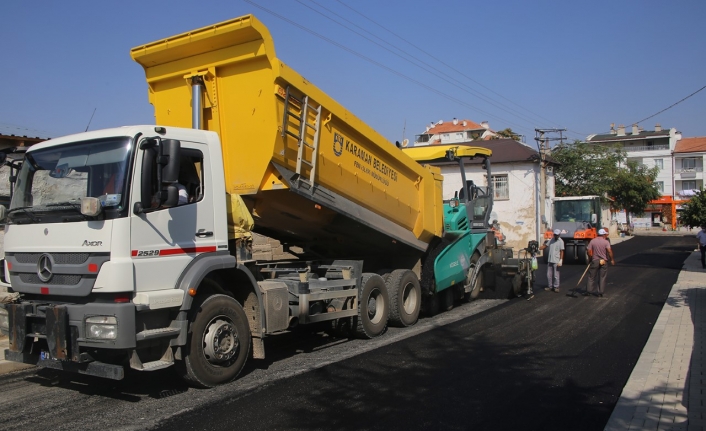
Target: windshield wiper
(68, 205)
(25, 211)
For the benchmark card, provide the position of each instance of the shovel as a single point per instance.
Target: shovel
(573, 291)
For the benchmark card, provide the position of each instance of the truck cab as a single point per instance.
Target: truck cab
(98, 238)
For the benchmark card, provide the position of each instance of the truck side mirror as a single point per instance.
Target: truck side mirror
(161, 163)
(170, 152)
(594, 218)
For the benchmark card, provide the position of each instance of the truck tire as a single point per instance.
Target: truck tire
(218, 342)
(431, 304)
(582, 252)
(405, 294)
(373, 307)
(478, 285)
(446, 299)
(569, 253)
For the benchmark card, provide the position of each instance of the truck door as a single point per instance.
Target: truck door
(164, 241)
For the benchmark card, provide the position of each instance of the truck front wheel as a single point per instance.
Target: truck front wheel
(373, 307)
(218, 343)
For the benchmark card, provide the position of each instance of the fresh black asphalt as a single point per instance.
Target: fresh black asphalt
(550, 363)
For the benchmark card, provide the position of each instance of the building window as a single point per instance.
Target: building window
(688, 185)
(688, 163)
(660, 186)
(501, 189)
(659, 163)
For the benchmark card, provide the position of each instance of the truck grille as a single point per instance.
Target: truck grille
(58, 279)
(70, 274)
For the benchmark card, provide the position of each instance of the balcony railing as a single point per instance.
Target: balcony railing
(646, 148)
(689, 170)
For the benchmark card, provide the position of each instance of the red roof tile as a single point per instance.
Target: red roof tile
(449, 126)
(691, 145)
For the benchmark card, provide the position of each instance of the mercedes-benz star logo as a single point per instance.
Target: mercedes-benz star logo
(44, 267)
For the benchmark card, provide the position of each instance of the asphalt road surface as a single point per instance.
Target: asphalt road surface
(554, 362)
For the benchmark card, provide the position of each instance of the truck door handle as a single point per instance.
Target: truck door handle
(202, 234)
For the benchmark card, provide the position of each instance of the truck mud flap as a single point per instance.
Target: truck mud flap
(17, 316)
(57, 324)
(99, 369)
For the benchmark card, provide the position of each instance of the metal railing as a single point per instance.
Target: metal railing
(688, 170)
(645, 148)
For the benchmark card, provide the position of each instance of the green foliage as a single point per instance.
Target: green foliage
(634, 187)
(590, 169)
(507, 133)
(694, 212)
(585, 169)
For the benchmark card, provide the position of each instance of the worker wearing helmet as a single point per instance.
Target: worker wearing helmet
(600, 253)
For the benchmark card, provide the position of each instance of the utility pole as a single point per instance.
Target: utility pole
(544, 138)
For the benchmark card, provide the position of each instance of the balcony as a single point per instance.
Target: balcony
(632, 149)
(688, 170)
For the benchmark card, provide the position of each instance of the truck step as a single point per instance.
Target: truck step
(150, 334)
(156, 365)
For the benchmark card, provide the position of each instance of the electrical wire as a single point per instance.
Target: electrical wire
(414, 60)
(442, 62)
(671, 106)
(374, 62)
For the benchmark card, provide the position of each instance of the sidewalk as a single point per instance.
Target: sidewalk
(666, 390)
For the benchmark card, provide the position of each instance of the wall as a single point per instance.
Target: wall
(517, 215)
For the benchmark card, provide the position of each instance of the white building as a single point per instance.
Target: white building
(515, 177)
(689, 166)
(455, 131)
(647, 147)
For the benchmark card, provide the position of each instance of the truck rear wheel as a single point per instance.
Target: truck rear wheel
(405, 294)
(373, 307)
(218, 342)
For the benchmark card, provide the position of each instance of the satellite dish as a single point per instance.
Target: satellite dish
(405, 142)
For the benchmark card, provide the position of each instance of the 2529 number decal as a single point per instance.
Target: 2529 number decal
(147, 253)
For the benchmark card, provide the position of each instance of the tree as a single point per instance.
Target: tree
(694, 212)
(585, 169)
(633, 188)
(507, 133)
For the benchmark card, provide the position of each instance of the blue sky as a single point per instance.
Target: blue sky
(519, 64)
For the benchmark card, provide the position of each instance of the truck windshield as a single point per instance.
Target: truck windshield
(54, 179)
(579, 210)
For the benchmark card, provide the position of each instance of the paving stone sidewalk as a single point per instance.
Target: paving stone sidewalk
(666, 388)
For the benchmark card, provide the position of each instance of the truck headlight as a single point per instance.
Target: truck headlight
(4, 321)
(102, 327)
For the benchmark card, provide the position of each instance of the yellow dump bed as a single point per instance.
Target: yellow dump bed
(332, 182)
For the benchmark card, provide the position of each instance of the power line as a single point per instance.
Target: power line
(441, 61)
(370, 60)
(671, 106)
(413, 60)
